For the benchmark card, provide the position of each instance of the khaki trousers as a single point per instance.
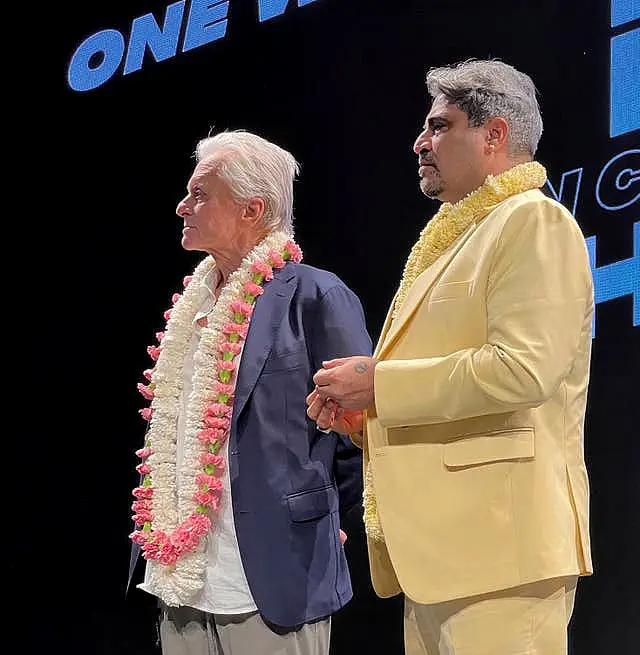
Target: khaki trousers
(187, 631)
(528, 620)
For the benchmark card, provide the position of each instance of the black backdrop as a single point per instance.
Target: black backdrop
(340, 83)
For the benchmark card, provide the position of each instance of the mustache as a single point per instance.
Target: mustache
(425, 160)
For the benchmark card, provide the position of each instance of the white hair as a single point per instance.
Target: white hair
(256, 168)
(489, 89)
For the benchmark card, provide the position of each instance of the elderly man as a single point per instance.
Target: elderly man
(476, 491)
(238, 510)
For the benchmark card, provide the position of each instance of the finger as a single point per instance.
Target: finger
(322, 378)
(312, 396)
(326, 415)
(334, 410)
(332, 363)
(314, 409)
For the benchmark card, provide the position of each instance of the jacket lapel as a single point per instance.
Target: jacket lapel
(417, 292)
(267, 316)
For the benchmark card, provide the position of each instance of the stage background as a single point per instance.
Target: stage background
(340, 83)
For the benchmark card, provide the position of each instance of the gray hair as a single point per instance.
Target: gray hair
(258, 168)
(489, 89)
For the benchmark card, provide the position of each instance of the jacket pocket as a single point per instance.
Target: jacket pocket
(450, 290)
(313, 504)
(285, 360)
(503, 445)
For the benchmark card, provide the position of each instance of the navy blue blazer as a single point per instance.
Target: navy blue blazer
(291, 483)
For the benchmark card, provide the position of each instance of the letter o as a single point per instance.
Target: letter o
(80, 75)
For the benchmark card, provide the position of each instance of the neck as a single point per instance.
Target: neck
(496, 166)
(229, 260)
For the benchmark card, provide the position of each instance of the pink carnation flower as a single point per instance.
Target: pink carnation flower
(253, 289)
(211, 435)
(213, 460)
(148, 373)
(139, 537)
(242, 307)
(184, 541)
(141, 506)
(294, 251)
(276, 259)
(236, 328)
(143, 469)
(167, 315)
(154, 352)
(211, 482)
(264, 269)
(160, 336)
(175, 297)
(199, 524)
(218, 409)
(225, 365)
(207, 499)
(142, 517)
(145, 452)
(167, 554)
(228, 347)
(216, 422)
(143, 492)
(145, 391)
(150, 549)
(224, 388)
(146, 413)
(186, 281)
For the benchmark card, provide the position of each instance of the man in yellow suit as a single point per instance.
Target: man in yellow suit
(471, 411)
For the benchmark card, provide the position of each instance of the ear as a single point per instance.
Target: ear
(496, 134)
(253, 211)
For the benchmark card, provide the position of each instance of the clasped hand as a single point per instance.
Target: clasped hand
(344, 387)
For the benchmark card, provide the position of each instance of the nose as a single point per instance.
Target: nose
(423, 142)
(182, 209)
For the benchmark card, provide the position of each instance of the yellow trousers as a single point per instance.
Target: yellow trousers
(528, 620)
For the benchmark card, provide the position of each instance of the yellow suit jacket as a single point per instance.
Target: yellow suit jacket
(476, 440)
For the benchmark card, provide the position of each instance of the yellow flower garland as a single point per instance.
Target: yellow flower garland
(441, 231)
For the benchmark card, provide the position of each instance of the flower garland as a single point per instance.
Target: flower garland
(452, 220)
(173, 507)
(441, 231)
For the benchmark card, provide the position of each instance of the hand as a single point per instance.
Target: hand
(329, 415)
(343, 537)
(348, 381)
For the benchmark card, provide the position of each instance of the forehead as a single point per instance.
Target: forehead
(205, 168)
(442, 108)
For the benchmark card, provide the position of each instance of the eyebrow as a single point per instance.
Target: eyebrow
(434, 119)
(195, 185)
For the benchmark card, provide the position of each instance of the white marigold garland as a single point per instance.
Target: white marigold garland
(173, 507)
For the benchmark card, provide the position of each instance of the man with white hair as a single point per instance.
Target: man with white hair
(239, 505)
(473, 405)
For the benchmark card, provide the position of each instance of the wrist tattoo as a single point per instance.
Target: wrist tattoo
(361, 367)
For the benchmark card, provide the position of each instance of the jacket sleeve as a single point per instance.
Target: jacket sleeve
(339, 330)
(539, 297)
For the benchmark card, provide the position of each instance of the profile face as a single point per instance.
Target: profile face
(211, 216)
(450, 153)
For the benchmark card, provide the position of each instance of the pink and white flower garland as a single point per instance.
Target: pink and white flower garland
(173, 508)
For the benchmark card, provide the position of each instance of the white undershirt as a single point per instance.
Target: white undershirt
(226, 590)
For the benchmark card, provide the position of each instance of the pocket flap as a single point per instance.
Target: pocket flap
(493, 447)
(285, 360)
(451, 290)
(309, 505)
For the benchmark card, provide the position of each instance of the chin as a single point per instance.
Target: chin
(431, 190)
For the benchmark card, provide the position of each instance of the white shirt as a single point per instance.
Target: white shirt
(226, 590)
